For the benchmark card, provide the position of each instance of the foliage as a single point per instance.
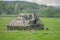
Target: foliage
(17, 7)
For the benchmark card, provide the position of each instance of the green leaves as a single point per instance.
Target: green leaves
(17, 7)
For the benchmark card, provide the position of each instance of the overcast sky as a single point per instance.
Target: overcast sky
(48, 2)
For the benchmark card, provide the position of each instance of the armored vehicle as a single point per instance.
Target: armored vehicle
(26, 21)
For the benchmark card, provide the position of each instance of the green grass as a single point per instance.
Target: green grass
(52, 34)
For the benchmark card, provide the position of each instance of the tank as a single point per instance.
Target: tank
(26, 21)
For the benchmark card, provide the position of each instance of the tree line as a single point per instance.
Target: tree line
(17, 7)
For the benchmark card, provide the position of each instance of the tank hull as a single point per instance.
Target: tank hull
(31, 27)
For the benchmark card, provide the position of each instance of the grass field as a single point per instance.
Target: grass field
(52, 34)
